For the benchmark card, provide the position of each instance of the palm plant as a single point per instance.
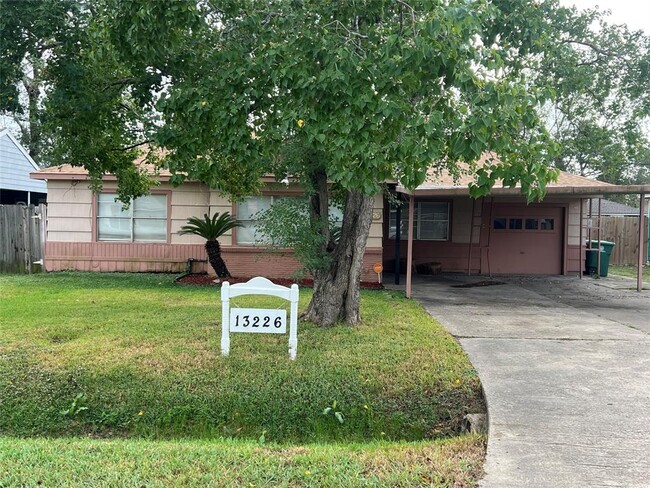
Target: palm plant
(211, 229)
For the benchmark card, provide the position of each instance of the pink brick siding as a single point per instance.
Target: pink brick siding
(172, 258)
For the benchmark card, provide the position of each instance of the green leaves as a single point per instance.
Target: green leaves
(381, 94)
(598, 73)
(210, 228)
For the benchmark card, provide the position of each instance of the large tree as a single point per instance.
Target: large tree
(30, 31)
(599, 116)
(340, 95)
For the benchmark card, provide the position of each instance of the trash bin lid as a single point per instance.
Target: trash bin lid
(602, 243)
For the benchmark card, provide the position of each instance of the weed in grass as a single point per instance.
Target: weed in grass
(333, 412)
(76, 407)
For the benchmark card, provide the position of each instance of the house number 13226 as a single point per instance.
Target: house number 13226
(257, 320)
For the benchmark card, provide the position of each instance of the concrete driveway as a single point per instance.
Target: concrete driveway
(565, 365)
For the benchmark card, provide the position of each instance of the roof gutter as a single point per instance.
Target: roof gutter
(583, 191)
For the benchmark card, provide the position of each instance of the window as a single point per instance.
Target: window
(518, 223)
(547, 224)
(144, 221)
(532, 224)
(499, 223)
(247, 210)
(431, 222)
(404, 222)
(515, 224)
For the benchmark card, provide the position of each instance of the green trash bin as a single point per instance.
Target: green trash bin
(591, 259)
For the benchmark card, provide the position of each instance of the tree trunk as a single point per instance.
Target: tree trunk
(216, 261)
(336, 289)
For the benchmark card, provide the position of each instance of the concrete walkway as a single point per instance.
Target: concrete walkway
(565, 365)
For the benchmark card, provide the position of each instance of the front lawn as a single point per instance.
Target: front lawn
(137, 357)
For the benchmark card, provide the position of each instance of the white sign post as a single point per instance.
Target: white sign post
(258, 320)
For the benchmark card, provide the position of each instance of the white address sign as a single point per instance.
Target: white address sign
(258, 320)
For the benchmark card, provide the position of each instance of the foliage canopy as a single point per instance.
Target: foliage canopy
(377, 89)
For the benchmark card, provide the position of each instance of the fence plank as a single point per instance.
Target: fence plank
(624, 231)
(20, 238)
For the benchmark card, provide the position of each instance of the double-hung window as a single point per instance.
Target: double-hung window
(431, 221)
(144, 221)
(248, 209)
(246, 212)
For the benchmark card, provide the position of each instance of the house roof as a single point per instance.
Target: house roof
(443, 183)
(70, 172)
(16, 166)
(438, 183)
(76, 173)
(608, 207)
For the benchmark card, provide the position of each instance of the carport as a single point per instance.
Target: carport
(501, 228)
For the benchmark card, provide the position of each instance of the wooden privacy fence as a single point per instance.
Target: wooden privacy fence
(22, 238)
(624, 231)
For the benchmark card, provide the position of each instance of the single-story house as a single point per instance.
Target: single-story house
(497, 234)
(15, 167)
(90, 232)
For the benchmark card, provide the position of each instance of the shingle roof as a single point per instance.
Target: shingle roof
(436, 183)
(68, 171)
(609, 207)
(445, 180)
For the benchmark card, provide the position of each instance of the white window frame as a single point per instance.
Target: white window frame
(128, 214)
(417, 224)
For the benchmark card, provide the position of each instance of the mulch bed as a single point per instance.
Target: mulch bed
(202, 279)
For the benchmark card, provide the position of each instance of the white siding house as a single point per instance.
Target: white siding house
(15, 165)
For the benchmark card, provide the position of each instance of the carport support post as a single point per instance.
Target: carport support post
(600, 201)
(409, 253)
(582, 258)
(639, 264)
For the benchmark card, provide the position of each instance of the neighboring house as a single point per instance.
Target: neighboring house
(15, 166)
(613, 209)
(90, 232)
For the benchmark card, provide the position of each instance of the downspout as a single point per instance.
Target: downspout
(471, 239)
(639, 269)
(409, 253)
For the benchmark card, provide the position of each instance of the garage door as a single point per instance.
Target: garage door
(526, 239)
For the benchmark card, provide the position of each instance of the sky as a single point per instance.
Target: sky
(634, 13)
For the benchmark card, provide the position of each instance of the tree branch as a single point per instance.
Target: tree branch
(132, 146)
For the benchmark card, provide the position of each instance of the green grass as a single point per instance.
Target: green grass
(629, 271)
(135, 463)
(141, 356)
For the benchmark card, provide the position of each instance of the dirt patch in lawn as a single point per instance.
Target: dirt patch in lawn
(202, 279)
